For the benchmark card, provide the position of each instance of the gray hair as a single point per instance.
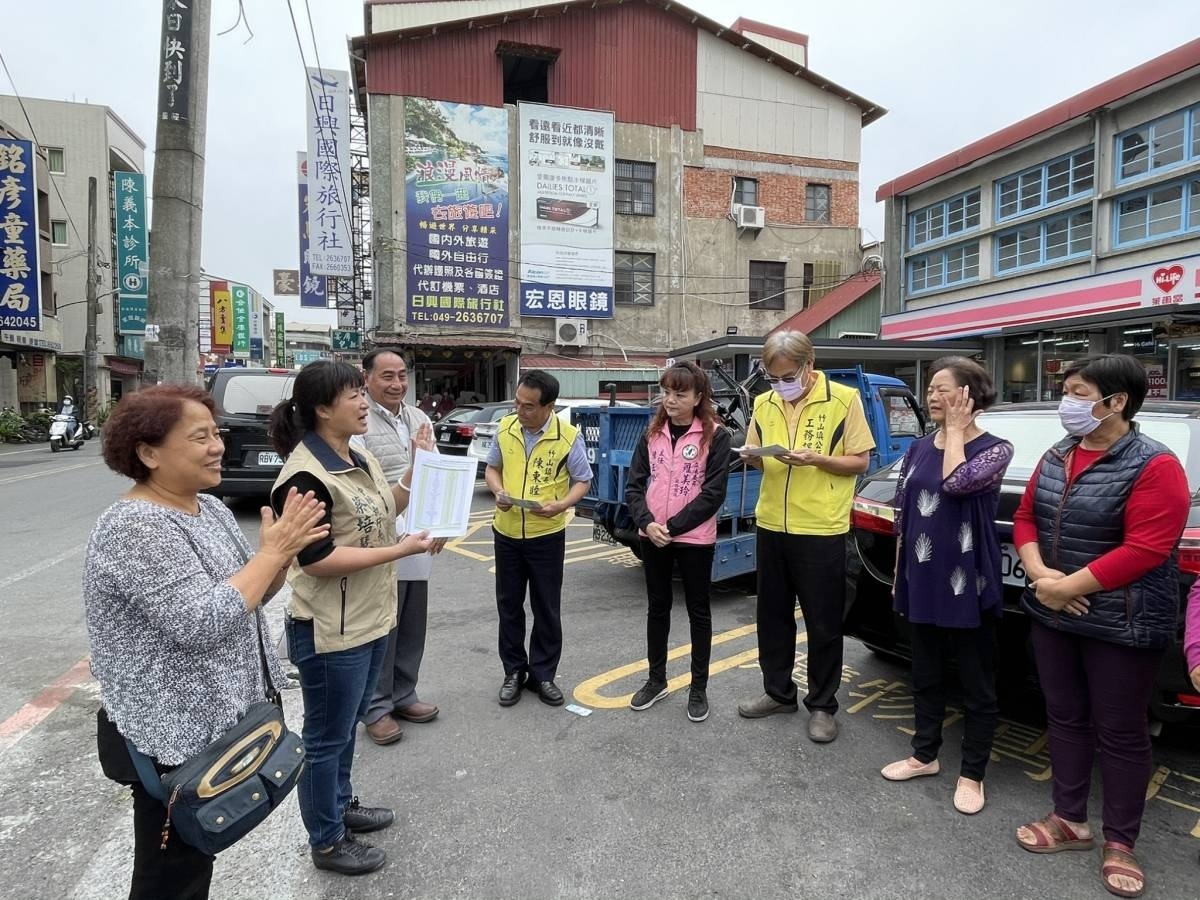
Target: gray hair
(793, 345)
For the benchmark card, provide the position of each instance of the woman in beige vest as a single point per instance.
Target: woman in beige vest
(343, 600)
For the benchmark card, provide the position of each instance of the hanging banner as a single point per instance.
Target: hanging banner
(222, 316)
(241, 319)
(174, 61)
(456, 209)
(130, 251)
(312, 286)
(566, 211)
(327, 96)
(280, 339)
(20, 270)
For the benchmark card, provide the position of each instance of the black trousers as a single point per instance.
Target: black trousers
(180, 872)
(811, 567)
(974, 648)
(537, 564)
(695, 570)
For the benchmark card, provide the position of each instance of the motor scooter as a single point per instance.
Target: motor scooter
(66, 432)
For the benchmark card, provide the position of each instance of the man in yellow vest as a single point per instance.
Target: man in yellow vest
(803, 515)
(538, 469)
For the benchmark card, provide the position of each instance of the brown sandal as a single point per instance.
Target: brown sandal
(1053, 835)
(1118, 860)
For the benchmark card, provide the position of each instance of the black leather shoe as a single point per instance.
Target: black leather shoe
(362, 819)
(349, 857)
(510, 691)
(547, 690)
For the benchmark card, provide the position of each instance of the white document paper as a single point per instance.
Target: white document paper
(440, 499)
(772, 450)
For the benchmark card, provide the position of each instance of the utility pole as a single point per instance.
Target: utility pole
(178, 192)
(91, 377)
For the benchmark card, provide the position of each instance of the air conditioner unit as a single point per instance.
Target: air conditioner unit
(571, 332)
(751, 217)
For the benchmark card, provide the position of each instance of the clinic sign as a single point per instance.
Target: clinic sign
(130, 252)
(20, 272)
(567, 211)
(328, 104)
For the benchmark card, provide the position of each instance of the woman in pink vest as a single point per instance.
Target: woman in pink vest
(675, 487)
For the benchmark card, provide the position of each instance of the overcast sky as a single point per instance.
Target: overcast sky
(948, 71)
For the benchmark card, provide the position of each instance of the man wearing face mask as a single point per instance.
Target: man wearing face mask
(803, 515)
(1095, 531)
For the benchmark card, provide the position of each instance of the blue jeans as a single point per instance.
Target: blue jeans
(337, 690)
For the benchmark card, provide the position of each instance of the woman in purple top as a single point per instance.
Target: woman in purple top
(948, 582)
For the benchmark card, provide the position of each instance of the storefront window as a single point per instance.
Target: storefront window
(1139, 341)
(1059, 351)
(1187, 371)
(1020, 368)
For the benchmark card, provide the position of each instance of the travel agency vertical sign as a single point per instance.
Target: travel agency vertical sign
(312, 286)
(133, 260)
(20, 272)
(567, 211)
(328, 103)
(456, 212)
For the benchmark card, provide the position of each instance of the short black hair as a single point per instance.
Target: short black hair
(1113, 373)
(971, 375)
(368, 361)
(546, 384)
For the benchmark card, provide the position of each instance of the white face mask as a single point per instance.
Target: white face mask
(1076, 415)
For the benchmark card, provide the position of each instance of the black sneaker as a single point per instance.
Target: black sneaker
(361, 819)
(697, 705)
(651, 693)
(349, 857)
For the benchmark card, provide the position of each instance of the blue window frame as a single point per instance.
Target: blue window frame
(1162, 144)
(945, 219)
(1167, 210)
(1059, 180)
(943, 268)
(1041, 243)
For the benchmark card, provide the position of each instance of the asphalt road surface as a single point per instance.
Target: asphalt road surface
(539, 802)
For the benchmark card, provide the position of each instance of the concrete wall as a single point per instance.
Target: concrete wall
(745, 102)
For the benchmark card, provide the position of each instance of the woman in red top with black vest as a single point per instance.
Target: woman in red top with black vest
(675, 487)
(1095, 531)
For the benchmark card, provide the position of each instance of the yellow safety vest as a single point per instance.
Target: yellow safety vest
(805, 499)
(540, 475)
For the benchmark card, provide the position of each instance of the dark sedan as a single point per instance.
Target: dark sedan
(1032, 428)
(244, 399)
(456, 430)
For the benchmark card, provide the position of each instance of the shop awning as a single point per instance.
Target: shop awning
(405, 341)
(123, 367)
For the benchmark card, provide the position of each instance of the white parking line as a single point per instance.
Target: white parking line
(53, 471)
(39, 567)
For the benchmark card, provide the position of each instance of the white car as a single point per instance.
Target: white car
(485, 432)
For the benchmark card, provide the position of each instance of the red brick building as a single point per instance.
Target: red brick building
(736, 170)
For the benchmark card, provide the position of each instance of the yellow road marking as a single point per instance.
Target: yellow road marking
(588, 692)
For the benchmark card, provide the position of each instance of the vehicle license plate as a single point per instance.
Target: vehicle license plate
(1011, 570)
(267, 458)
(485, 443)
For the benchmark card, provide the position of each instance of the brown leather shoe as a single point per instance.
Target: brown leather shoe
(384, 731)
(418, 712)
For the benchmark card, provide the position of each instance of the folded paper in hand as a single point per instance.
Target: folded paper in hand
(525, 504)
(772, 450)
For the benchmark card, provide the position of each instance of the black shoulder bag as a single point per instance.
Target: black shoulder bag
(221, 794)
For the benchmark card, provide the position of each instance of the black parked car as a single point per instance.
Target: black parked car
(245, 398)
(456, 430)
(1032, 428)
